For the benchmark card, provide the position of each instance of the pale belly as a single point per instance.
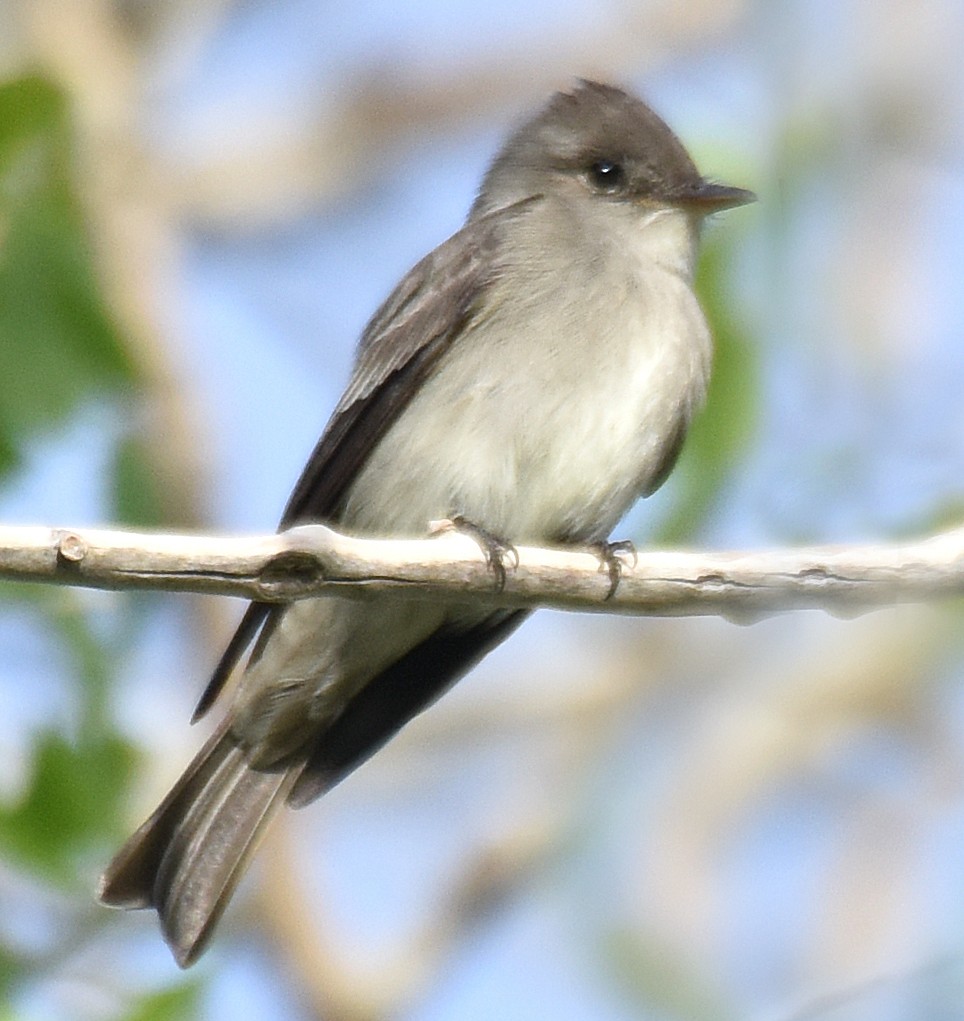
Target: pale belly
(539, 445)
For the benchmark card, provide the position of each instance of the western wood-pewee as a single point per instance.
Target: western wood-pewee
(534, 375)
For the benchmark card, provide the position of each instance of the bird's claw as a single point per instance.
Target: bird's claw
(495, 551)
(612, 558)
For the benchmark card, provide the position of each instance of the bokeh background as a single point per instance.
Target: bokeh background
(200, 204)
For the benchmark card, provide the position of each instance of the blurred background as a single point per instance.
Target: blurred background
(200, 205)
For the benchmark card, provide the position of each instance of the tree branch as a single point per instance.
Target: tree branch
(313, 560)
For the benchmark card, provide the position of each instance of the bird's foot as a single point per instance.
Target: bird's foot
(496, 551)
(613, 556)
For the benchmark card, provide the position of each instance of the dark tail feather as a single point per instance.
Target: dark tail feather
(186, 860)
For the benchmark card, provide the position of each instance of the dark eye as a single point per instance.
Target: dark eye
(607, 176)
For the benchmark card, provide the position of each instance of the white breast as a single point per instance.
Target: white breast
(556, 411)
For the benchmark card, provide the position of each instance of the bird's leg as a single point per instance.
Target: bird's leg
(496, 551)
(612, 557)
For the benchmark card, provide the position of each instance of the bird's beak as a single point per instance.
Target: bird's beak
(709, 198)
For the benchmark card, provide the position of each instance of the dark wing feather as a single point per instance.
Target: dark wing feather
(399, 349)
(254, 616)
(384, 705)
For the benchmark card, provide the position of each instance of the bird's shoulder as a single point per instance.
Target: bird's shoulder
(433, 301)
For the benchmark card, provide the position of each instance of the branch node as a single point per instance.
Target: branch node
(290, 573)
(71, 548)
(817, 575)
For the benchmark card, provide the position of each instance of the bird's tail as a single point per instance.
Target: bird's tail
(186, 859)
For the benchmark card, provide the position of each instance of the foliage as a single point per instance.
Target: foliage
(58, 344)
(60, 352)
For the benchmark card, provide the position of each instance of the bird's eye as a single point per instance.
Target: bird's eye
(607, 176)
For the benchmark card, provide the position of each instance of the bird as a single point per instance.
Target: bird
(530, 378)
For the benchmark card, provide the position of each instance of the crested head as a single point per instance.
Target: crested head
(609, 140)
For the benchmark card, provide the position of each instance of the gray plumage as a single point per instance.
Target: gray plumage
(536, 374)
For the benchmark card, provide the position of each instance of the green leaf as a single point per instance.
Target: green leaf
(173, 1004)
(136, 501)
(58, 344)
(71, 803)
(11, 969)
(9, 456)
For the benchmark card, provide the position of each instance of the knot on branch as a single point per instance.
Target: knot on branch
(71, 548)
(290, 575)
